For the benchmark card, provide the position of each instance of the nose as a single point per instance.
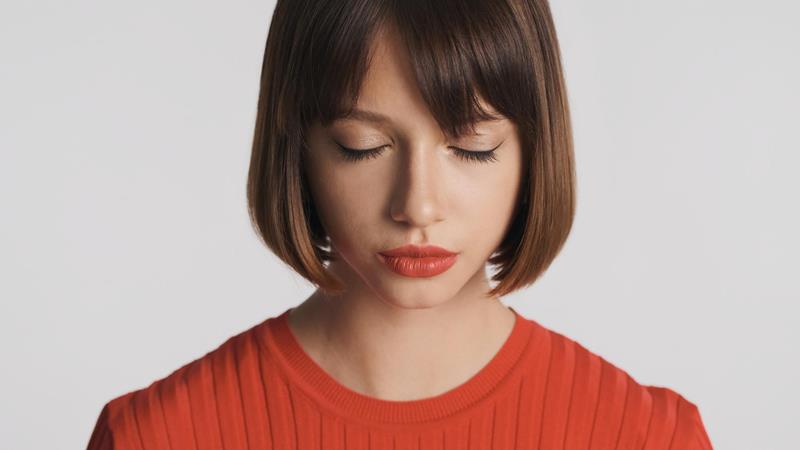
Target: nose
(420, 188)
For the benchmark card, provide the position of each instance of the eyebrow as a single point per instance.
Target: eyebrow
(381, 119)
(365, 115)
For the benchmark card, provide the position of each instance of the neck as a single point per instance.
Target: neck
(393, 353)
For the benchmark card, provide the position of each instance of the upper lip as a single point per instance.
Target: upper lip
(418, 251)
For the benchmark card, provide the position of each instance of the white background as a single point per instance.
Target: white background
(125, 251)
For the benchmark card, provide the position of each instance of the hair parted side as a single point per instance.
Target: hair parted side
(504, 51)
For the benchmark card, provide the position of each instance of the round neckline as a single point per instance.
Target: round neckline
(313, 379)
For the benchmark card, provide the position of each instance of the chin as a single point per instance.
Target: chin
(415, 293)
(413, 303)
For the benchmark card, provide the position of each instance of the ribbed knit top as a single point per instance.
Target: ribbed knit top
(261, 390)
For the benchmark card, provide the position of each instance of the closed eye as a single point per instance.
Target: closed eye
(482, 156)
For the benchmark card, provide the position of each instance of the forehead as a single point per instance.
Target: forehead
(389, 93)
(389, 83)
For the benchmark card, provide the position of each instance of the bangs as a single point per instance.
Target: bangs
(463, 53)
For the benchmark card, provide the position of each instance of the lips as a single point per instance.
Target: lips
(417, 251)
(418, 261)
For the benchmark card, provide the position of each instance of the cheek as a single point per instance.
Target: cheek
(346, 209)
(494, 188)
(487, 202)
(487, 205)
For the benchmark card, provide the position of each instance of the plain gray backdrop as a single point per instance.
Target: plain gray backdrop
(125, 252)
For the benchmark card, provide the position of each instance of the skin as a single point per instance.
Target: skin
(389, 336)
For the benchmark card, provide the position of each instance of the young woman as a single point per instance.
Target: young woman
(400, 146)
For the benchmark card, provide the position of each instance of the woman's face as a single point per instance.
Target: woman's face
(416, 190)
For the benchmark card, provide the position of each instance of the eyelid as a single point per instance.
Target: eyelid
(480, 151)
(478, 156)
(372, 149)
(361, 150)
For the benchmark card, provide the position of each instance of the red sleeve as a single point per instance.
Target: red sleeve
(101, 437)
(690, 433)
(116, 428)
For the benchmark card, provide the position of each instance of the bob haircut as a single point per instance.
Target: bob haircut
(503, 51)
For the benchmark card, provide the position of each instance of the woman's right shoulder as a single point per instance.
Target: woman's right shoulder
(188, 404)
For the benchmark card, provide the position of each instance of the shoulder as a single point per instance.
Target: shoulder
(675, 422)
(184, 406)
(590, 400)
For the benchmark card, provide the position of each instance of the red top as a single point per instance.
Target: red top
(261, 390)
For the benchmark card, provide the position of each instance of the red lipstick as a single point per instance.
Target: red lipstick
(418, 261)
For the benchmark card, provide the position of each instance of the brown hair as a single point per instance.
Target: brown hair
(504, 51)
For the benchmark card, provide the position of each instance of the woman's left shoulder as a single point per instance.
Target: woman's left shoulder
(620, 411)
(675, 421)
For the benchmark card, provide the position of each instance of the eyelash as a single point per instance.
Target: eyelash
(485, 156)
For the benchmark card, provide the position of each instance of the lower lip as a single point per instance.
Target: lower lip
(418, 267)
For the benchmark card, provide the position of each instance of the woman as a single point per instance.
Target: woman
(399, 147)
